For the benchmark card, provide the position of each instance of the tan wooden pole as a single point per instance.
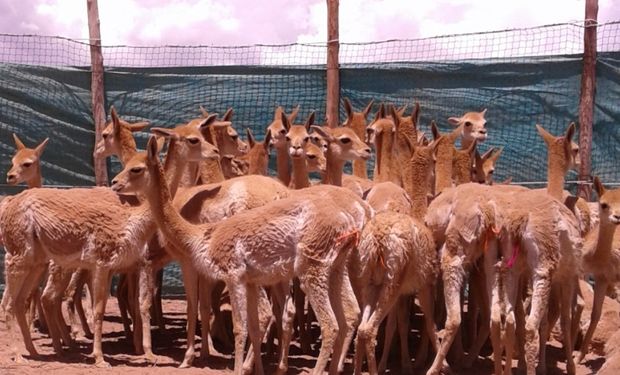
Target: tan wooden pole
(96, 86)
(333, 79)
(586, 101)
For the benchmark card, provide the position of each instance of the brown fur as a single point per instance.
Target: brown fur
(278, 132)
(396, 256)
(357, 122)
(601, 257)
(230, 250)
(464, 218)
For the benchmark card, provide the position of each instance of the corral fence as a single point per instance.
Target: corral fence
(523, 76)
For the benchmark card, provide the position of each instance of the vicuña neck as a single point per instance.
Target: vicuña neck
(211, 171)
(417, 175)
(300, 177)
(556, 170)
(605, 239)
(383, 165)
(445, 156)
(174, 166)
(36, 181)
(174, 227)
(282, 165)
(333, 175)
(360, 169)
(461, 169)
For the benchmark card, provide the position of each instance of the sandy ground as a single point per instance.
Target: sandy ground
(169, 348)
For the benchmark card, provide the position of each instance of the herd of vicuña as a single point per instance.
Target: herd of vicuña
(429, 230)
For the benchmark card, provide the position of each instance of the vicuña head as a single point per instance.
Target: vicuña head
(278, 130)
(117, 136)
(562, 149)
(297, 136)
(225, 136)
(258, 156)
(356, 120)
(473, 126)
(485, 165)
(315, 158)
(191, 138)
(344, 144)
(25, 163)
(609, 203)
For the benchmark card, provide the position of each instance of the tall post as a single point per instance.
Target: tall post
(333, 79)
(586, 101)
(96, 87)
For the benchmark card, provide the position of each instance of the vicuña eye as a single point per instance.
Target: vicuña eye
(345, 140)
(311, 157)
(193, 141)
(27, 164)
(604, 206)
(468, 123)
(136, 170)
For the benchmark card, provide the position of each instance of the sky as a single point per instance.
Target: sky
(243, 22)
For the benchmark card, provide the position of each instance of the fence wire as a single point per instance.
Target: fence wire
(523, 76)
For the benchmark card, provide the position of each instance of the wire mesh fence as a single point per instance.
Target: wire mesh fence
(522, 76)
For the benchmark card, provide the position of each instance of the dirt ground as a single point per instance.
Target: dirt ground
(169, 348)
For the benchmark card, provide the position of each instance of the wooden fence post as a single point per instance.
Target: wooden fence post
(333, 79)
(96, 61)
(586, 101)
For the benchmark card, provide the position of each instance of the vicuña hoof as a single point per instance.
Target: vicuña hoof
(102, 364)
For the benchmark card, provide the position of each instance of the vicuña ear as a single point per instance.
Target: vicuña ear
(497, 153)
(454, 120)
(161, 142)
(267, 141)
(323, 132)
(293, 115)
(116, 122)
(309, 121)
(278, 113)
(208, 121)
(487, 154)
(435, 130)
(152, 150)
(366, 110)
(18, 143)
(598, 187)
(395, 116)
(546, 136)
(348, 108)
(484, 112)
(228, 115)
(380, 112)
(41, 147)
(285, 122)
(204, 112)
(570, 132)
(165, 132)
(415, 114)
(138, 126)
(251, 139)
(401, 110)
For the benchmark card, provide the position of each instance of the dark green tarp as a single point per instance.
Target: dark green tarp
(38, 102)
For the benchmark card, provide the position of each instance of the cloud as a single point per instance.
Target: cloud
(242, 22)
